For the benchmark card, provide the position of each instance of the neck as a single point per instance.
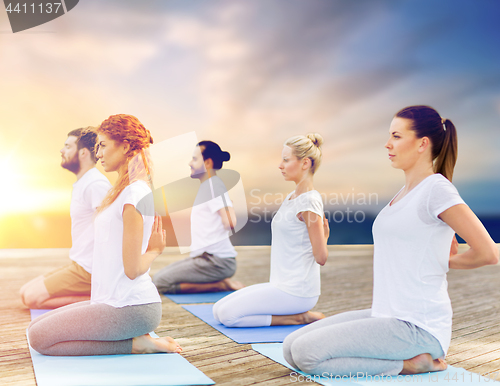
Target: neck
(209, 174)
(417, 174)
(84, 168)
(304, 185)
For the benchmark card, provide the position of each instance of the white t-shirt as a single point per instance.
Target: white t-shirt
(207, 231)
(411, 258)
(109, 284)
(293, 268)
(88, 193)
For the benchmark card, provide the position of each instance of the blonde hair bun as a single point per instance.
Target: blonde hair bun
(301, 148)
(316, 139)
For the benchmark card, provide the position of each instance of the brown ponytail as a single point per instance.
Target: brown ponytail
(426, 122)
(447, 157)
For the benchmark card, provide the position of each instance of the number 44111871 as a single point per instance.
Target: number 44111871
(33, 8)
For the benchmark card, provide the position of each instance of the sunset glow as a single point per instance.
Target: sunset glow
(247, 75)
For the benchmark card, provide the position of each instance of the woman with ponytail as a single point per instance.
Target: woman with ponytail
(124, 305)
(408, 328)
(298, 248)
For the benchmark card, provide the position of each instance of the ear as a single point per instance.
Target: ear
(424, 144)
(126, 147)
(306, 163)
(82, 153)
(209, 164)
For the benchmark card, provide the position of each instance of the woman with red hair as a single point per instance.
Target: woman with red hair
(124, 305)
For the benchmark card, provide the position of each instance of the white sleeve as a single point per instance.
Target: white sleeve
(95, 193)
(219, 196)
(140, 196)
(443, 196)
(311, 203)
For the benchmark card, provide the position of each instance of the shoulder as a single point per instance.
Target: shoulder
(311, 196)
(218, 185)
(139, 195)
(437, 183)
(94, 176)
(138, 188)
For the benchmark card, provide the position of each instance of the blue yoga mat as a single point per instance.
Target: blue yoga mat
(37, 313)
(242, 334)
(115, 370)
(450, 376)
(207, 297)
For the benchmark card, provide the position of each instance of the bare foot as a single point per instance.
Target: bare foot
(145, 344)
(311, 316)
(423, 363)
(231, 285)
(304, 318)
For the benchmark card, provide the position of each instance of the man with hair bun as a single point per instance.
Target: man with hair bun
(212, 260)
(71, 283)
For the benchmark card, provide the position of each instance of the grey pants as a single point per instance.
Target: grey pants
(353, 342)
(92, 329)
(205, 268)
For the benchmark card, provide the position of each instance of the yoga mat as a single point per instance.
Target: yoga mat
(115, 370)
(37, 313)
(242, 334)
(450, 376)
(207, 297)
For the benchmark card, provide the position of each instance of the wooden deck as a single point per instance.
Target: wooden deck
(346, 285)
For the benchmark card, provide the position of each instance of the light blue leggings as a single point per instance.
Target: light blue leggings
(354, 341)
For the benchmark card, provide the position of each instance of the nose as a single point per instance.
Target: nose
(388, 144)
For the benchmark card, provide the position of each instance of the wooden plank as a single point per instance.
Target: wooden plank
(347, 281)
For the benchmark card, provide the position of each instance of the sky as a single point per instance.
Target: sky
(248, 75)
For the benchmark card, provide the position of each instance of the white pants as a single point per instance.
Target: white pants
(255, 305)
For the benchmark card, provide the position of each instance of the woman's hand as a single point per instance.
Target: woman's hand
(454, 246)
(135, 263)
(318, 231)
(483, 250)
(158, 239)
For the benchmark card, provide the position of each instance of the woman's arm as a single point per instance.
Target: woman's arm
(228, 217)
(483, 250)
(134, 263)
(318, 235)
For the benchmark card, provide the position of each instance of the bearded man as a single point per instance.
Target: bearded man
(71, 283)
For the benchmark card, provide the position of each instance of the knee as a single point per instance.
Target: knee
(302, 356)
(35, 339)
(31, 299)
(222, 315)
(287, 351)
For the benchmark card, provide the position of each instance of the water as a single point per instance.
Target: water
(259, 233)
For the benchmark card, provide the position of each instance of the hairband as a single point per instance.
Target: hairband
(443, 120)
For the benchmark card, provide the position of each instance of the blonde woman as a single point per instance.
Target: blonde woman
(298, 248)
(124, 304)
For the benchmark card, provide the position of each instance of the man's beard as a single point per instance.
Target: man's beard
(73, 165)
(197, 173)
